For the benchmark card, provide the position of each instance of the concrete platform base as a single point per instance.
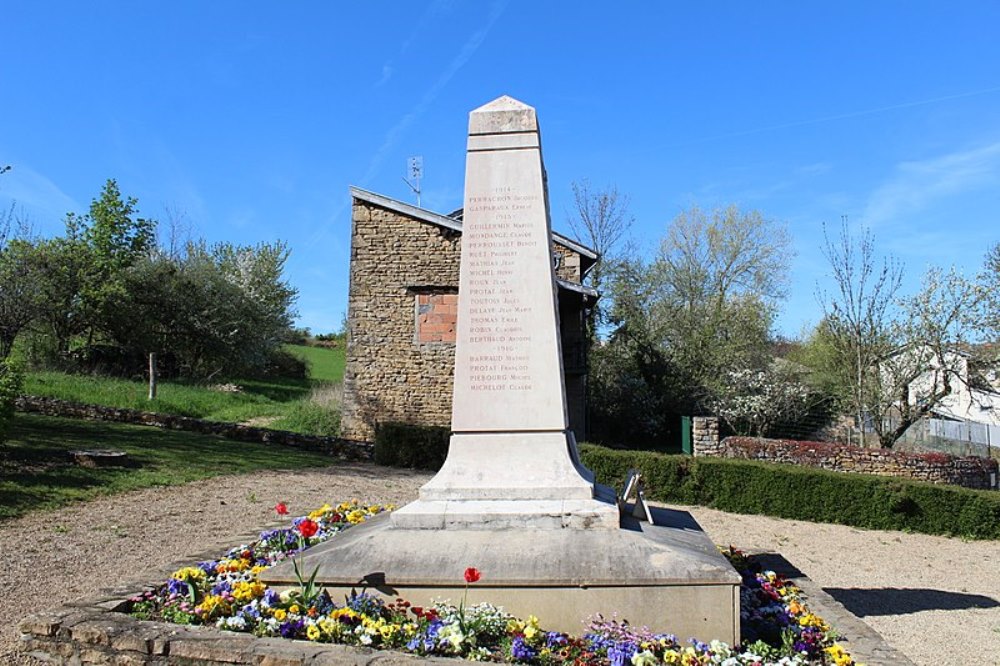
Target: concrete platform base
(668, 576)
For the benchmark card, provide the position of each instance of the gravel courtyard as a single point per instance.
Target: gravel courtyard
(935, 599)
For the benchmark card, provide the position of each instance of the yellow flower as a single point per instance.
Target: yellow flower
(294, 608)
(840, 656)
(188, 574)
(671, 657)
(313, 633)
(212, 605)
(320, 512)
(280, 614)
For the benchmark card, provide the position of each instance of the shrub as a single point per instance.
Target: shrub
(409, 445)
(784, 491)
(10, 387)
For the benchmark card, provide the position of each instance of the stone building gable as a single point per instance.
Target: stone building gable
(401, 312)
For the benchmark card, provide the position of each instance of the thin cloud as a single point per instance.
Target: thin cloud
(468, 50)
(386, 75)
(919, 184)
(430, 15)
(42, 200)
(396, 131)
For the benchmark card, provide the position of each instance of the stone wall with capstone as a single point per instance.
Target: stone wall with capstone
(966, 471)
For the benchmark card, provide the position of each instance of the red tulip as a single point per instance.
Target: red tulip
(281, 509)
(308, 528)
(472, 575)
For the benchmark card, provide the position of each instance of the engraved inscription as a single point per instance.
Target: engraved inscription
(499, 316)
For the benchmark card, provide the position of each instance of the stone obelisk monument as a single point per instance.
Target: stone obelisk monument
(512, 498)
(512, 459)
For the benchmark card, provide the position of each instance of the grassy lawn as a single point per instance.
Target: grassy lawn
(307, 406)
(325, 365)
(36, 471)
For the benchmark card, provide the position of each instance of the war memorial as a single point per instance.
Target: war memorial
(513, 499)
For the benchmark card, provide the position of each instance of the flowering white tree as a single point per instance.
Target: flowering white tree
(752, 401)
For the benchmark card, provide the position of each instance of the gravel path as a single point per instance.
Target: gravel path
(935, 599)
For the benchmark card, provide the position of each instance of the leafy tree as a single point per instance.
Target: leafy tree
(716, 282)
(700, 309)
(10, 388)
(631, 382)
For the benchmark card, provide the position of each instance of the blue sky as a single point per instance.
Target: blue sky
(252, 118)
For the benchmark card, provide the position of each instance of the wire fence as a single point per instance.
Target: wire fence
(958, 438)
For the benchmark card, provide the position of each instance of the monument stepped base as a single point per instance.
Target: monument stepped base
(668, 576)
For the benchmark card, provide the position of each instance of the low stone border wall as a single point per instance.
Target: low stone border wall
(93, 630)
(335, 446)
(969, 472)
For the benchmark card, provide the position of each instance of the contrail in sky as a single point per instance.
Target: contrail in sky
(392, 136)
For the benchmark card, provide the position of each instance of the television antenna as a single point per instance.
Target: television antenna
(415, 169)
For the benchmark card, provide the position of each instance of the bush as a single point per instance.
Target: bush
(282, 364)
(784, 491)
(414, 446)
(10, 387)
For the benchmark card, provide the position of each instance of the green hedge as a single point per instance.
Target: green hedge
(408, 445)
(784, 491)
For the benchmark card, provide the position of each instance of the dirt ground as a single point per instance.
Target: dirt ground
(935, 599)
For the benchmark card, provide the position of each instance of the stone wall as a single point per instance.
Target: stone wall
(98, 630)
(390, 375)
(970, 472)
(705, 436)
(335, 446)
(400, 347)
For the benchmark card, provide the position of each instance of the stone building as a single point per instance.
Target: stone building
(401, 313)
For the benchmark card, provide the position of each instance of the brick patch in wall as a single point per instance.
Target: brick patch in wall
(437, 315)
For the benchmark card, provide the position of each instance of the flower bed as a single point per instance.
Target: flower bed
(776, 623)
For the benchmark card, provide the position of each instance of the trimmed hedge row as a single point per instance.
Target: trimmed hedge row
(413, 446)
(785, 491)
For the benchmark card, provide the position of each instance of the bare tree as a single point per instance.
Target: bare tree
(602, 221)
(19, 300)
(900, 357)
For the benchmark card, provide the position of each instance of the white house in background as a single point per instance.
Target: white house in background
(974, 397)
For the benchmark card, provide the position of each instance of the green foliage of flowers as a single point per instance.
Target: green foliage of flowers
(786, 491)
(776, 623)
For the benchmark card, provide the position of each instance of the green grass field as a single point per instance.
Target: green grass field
(325, 365)
(309, 406)
(36, 471)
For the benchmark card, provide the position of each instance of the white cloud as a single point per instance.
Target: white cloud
(917, 185)
(386, 75)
